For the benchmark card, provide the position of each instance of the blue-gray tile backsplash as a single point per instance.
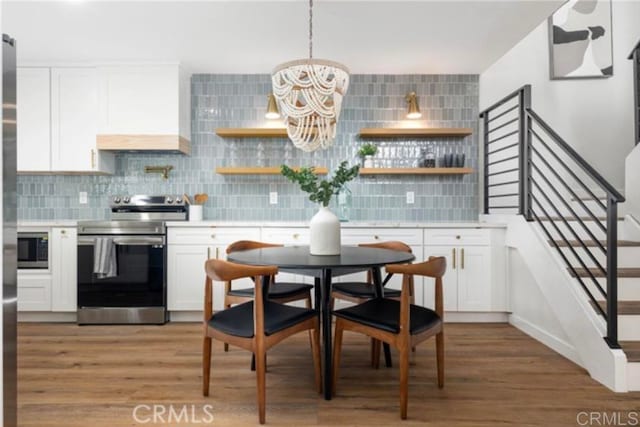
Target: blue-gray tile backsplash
(240, 101)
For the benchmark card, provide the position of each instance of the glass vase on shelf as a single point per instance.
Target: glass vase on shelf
(344, 203)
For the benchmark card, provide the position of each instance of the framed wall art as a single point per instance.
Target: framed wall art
(580, 40)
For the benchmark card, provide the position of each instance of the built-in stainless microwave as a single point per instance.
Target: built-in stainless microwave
(33, 250)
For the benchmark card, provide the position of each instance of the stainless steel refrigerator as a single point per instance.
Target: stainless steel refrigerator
(9, 232)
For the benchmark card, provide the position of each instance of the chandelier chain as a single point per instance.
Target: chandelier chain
(310, 29)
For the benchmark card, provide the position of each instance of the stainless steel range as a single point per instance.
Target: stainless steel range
(131, 249)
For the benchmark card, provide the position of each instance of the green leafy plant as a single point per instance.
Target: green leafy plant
(367, 150)
(320, 191)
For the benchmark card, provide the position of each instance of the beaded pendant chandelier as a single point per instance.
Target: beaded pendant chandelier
(309, 93)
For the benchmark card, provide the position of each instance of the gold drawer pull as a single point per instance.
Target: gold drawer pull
(453, 255)
(462, 258)
(458, 237)
(376, 237)
(213, 236)
(296, 235)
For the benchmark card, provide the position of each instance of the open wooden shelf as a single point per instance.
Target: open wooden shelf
(250, 170)
(415, 171)
(252, 132)
(414, 132)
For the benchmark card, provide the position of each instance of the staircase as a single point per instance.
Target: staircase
(567, 227)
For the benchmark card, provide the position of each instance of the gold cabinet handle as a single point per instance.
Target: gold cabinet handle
(63, 232)
(217, 253)
(453, 255)
(213, 236)
(296, 235)
(208, 253)
(93, 159)
(462, 258)
(458, 237)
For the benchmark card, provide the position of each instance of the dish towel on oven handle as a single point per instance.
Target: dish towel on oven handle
(105, 264)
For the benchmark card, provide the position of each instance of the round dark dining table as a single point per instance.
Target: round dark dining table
(298, 260)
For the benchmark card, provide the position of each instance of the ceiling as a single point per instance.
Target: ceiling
(236, 36)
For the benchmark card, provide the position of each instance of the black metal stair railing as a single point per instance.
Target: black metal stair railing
(531, 171)
(635, 57)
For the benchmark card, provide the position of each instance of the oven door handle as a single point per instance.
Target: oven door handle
(125, 241)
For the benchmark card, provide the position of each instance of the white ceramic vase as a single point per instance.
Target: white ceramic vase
(324, 233)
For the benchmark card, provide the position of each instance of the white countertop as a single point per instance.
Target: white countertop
(47, 224)
(284, 224)
(349, 224)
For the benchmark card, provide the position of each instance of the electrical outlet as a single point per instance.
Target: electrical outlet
(273, 198)
(411, 197)
(82, 198)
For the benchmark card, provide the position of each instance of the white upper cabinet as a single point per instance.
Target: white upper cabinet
(74, 107)
(34, 119)
(144, 107)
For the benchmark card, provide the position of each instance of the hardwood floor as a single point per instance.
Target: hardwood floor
(90, 376)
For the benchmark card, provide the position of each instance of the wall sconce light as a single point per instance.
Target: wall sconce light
(272, 108)
(413, 111)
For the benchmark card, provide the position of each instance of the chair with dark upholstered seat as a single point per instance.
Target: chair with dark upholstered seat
(256, 325)
(359, 292)
(400, 324)
(278, 291)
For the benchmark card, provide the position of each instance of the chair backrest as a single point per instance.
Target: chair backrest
(434, 267)
(245, 245)
(225, 271)
(392, 245)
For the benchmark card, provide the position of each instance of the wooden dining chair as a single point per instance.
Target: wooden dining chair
(278, 291)
(256, 325)
(400, 324)
(359, 292)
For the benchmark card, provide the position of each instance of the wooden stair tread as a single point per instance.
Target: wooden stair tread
(622, 272)
(632, 350)
(628, 308)
(592, 243)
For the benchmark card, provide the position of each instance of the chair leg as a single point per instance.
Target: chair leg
(308, 305)
(261, 380)
(206, 365)
(226, 346)
(375, 353)
(440, 358)
(337, 348)
(404, 382)
(315, 349)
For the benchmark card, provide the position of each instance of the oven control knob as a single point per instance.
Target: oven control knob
(178, 200)
(126, 200)
(169, 200)
(116, 200)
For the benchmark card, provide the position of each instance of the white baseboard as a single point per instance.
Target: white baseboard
(475, 317)
(31, 316)
(185, 316)
(633, 376)
(449, 317)
(560, 346)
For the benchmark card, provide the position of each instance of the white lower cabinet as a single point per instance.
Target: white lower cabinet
(34, 291)
(474, 281)
(54, 289)
(467, 284)
(185, 267)
(64, 269)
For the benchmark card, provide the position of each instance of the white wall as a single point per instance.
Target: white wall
(595, 116)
